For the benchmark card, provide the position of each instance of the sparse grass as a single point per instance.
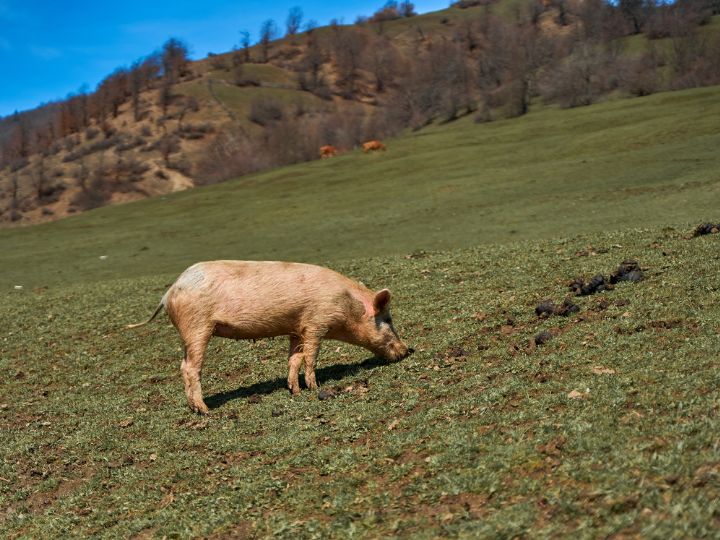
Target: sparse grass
(475, 435)
(468, 437)
(650, 161)
(268, 74)
(239, 99)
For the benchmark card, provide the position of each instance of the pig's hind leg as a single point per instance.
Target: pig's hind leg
(295, 358)
(191, 368)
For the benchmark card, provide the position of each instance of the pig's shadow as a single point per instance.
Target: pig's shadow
(324, 375)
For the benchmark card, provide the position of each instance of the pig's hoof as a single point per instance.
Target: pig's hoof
(199, 408)
(294, 390)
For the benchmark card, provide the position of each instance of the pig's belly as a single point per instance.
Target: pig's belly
(254, 331)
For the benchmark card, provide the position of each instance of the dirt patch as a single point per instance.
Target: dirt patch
(39, 501)
(239, 531)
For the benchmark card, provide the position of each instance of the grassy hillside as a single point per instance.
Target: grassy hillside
(608, 429)
(641, 162)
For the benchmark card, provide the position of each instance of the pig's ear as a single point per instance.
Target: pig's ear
(381, 301)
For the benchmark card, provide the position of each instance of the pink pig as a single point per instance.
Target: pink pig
(258, 299)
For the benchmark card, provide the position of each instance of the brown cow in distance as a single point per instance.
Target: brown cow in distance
(372, 146)
(328, 151)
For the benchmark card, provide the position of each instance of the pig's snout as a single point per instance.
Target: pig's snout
(400, 352)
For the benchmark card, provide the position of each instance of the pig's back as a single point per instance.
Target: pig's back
(262, 297)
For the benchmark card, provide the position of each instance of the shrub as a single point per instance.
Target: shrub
(91, 133)
(129, 144)
(18, 164)
(217, 62)
(464, 4)
(51, 193)
(265, 110)
(195, 131)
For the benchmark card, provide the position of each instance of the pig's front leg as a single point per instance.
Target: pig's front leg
(295, 358)
(311, 348)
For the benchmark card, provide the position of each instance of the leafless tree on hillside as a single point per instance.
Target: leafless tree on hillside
(238, 69)
(294, 21)
(168, 145)
(174, 60)
(82, 174)
(40, 178)
(382, 62)
(347, 45)
(268, 33)
(592, 15)
(530, 50)
(13, 191)
(406, 9)
(136, 84)
(165, 96)
(20, 139)
(634, 13)
(310, 77)
(245, 44)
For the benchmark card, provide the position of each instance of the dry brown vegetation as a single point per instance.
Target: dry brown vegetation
(166, 123)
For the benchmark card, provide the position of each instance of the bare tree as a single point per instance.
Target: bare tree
(82, 174)
(238, 68)
(189, 104)
(634, 13)
(20, 141)
(245, 44)
(268, 33)
(641, 77)
(168, 144)
(407, 9)
(136, 84)
(13, 191)
(40, 178)
(174, 59)
(165, 96)
(592, 14)
(577, 81)
(530, 50)
(348, 45)
(293, 22)
(563, 12)
(493, 62)
(382, 62)
(451, 77)
(310, 77)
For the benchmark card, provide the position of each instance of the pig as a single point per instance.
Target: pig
(260, 299)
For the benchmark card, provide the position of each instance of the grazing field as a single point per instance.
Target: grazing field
(635, 162)
(608, 428)
(611, 427)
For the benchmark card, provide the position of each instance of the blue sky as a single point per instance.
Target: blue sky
(49, 49)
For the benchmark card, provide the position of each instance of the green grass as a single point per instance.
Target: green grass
(472, 436)
(240, 99)
(475, 435)
(638, 162)
(268, 74)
